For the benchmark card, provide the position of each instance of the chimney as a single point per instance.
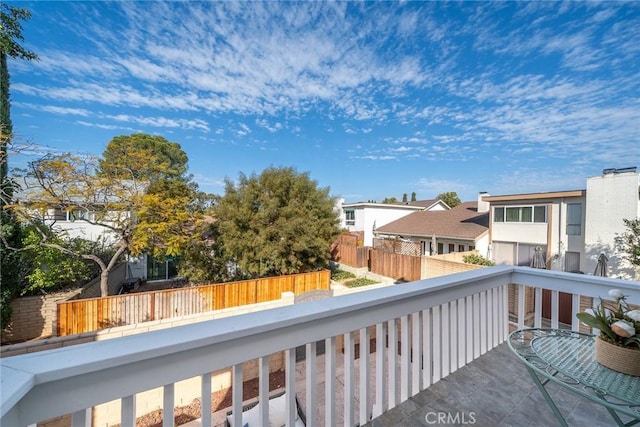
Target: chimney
(482, 205)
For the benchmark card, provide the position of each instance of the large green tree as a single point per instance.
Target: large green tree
(450, 198)
(143, 157)
(136, 211)
(10, 47)
(278, 222)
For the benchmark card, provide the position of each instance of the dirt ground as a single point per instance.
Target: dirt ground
(219, 400)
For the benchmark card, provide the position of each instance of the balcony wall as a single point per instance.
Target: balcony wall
(423, 331)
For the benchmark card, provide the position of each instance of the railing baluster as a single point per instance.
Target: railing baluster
(575, 308)
(205, 399)
(477, 338)
(381, 369)
(330, 381)
(453, 336)
(311, 383)
(462, 333)
(82, 418)
(504, 314)
(236, 394)
(496, 317)
(392, 353)
(416, 357)
(263, 389)
(489, 315)
(483, 322)
(469, 328)
(426, 348)
(521, 306)
(290, 386)
(436, 344)
(537, 315)
(404, 358)
(554, 309)
(445, 338)
(348, 379)
(168, 404)
(128, 411)
(365, 389)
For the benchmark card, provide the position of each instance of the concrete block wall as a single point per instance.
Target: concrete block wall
(34, 317)
(435, 266)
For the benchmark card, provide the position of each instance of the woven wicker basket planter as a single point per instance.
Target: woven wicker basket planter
(625, 360)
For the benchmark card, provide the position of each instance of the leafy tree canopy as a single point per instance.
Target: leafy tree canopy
(11, 32)
(389, 200)
(450, 198)
(629, 241)
(142, 157)
(276, 223)
(413, 196)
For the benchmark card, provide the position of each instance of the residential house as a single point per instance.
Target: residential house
(368, 216)
(78, 219)
(573, 228)
(459, 229)
(553, 221)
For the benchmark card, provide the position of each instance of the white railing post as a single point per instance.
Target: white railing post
(263, 389)
(427, 347)
(381, 369)
(290, 386)
(416, 356)
(128, 411)
(404, 358)
(463, 333)
(365, 389)
(168, 404)
(236, 394)
(311, 383)
(521, 305)
(575, 309)
(205, 399)
(436, 344)
(471, 336)
(392, 353)
(537, 316)
(555, 296)
(349, 397)
(82, 418)
(445, 340)
(330, 381)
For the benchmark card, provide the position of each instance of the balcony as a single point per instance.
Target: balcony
(433, 346)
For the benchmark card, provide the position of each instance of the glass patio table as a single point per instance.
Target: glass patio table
(567, 358)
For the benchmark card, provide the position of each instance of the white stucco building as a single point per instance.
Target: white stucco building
(366, 216)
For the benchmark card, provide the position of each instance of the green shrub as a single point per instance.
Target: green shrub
(341, 275)
(361, 281)
(477, 259)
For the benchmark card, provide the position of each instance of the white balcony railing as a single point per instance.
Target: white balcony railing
(423, 331)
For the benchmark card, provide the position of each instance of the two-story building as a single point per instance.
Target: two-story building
(572, 227)
(366, 217)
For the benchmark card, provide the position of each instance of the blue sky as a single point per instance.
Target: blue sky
(372, 99)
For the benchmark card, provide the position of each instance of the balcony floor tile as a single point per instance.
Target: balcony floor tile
(498, 391)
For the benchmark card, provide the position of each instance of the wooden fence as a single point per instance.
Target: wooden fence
(402, 267)
(93, 314)
(352, 255)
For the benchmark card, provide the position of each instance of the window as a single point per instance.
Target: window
(460, 248)
(539, 214)
(574, 219)
(452, 248)
(520, 214)
(77, 214)
(350, 217)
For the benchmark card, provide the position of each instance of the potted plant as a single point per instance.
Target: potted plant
(618, 345)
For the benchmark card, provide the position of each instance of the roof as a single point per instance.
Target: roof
(460, 222)
(415, 205)
(535, 196)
